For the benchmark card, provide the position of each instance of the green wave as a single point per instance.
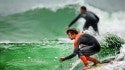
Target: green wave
(36, 24)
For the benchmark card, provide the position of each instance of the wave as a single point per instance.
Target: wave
(35, 25)
(16, 6)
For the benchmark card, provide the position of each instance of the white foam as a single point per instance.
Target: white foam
(109, 22)
(121, 55)
(74, 64)
(65, 40)
(118, 63)
(115, 66)
(23, 5)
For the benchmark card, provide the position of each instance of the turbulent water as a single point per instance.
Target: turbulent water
(30, 30)
(42, 56)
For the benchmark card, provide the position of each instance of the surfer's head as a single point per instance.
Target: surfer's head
(72, 33)
(83, 9)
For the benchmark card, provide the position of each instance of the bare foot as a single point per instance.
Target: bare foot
(86, 67)
(96, 63)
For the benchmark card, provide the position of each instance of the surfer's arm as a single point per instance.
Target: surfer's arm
(74, 20)
(76, 50)
(73, 54)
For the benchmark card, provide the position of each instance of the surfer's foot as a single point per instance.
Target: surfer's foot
(95, 63)
(86, 67)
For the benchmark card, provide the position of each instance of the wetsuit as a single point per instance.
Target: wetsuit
(84, 45)
(91, 20)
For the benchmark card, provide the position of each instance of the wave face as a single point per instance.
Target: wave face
(35, 25)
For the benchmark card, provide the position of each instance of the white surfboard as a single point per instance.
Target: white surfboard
(98, 66)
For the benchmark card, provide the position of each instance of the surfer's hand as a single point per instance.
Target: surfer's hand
(62, 59)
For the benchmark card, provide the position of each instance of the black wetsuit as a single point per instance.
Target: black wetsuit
(90, 46)
(91, 20)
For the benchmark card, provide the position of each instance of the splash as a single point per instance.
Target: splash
(118, 63)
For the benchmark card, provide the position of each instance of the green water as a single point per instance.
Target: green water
(34, 56)
(36, 24)
(45, 55)
(41, 56)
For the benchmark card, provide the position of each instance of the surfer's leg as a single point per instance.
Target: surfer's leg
(86, 25)
(95, 61)
(87, 52)
(84, 60)
(95, 27)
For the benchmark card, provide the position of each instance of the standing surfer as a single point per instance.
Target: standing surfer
(90, 17)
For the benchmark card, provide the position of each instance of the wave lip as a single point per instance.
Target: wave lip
(17, 6)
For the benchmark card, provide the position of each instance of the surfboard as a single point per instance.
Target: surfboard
(102, 64)
(98, 66)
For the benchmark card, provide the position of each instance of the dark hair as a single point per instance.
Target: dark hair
(83, 8)
(72, 31)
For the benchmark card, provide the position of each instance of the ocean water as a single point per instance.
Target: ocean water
(33, 56)
(43, 56)
(32, 33)
(35, 25)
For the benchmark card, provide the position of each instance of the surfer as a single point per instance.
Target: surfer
(90, 17)
(85, 45)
